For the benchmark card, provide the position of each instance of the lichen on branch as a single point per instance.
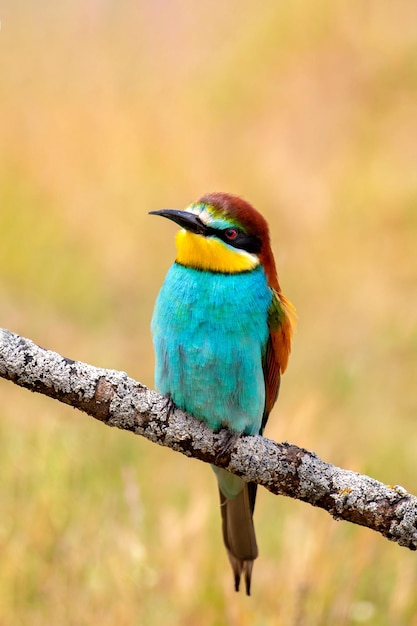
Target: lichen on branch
(285, 469)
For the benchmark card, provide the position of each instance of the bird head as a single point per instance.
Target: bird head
(222, 233)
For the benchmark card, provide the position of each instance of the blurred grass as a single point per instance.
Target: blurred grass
(110, 110)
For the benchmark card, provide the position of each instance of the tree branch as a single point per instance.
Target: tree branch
(283, 468)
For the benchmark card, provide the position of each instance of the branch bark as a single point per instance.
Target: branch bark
(283, 468)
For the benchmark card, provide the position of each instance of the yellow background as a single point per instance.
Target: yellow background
(109, 110)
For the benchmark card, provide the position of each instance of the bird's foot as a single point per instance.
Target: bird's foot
(227, 441)
(169, 406)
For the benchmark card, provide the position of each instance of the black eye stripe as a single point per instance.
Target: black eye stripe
(250, 243)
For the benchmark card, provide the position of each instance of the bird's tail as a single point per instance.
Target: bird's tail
(239, 532)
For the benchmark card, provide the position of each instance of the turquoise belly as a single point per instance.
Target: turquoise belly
(210, 331)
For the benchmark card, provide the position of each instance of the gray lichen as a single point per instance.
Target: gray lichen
(283, 468)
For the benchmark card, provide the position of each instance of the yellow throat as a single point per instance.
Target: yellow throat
(211, 254)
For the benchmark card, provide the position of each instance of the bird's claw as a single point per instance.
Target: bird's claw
(169, 406)
(228, 440)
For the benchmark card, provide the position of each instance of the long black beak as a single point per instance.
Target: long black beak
(186, 220)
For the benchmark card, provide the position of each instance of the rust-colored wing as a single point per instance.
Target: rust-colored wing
(281, 318)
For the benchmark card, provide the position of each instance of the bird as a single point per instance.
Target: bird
(222, 332)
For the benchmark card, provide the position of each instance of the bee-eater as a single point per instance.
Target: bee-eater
(222, 335)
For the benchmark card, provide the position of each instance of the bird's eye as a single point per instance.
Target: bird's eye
(231, 233)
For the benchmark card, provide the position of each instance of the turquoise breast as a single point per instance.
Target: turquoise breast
(210, 332)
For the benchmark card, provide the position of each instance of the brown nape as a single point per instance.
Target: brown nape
(253, 223)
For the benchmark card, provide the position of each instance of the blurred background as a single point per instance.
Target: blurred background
(109, 110)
